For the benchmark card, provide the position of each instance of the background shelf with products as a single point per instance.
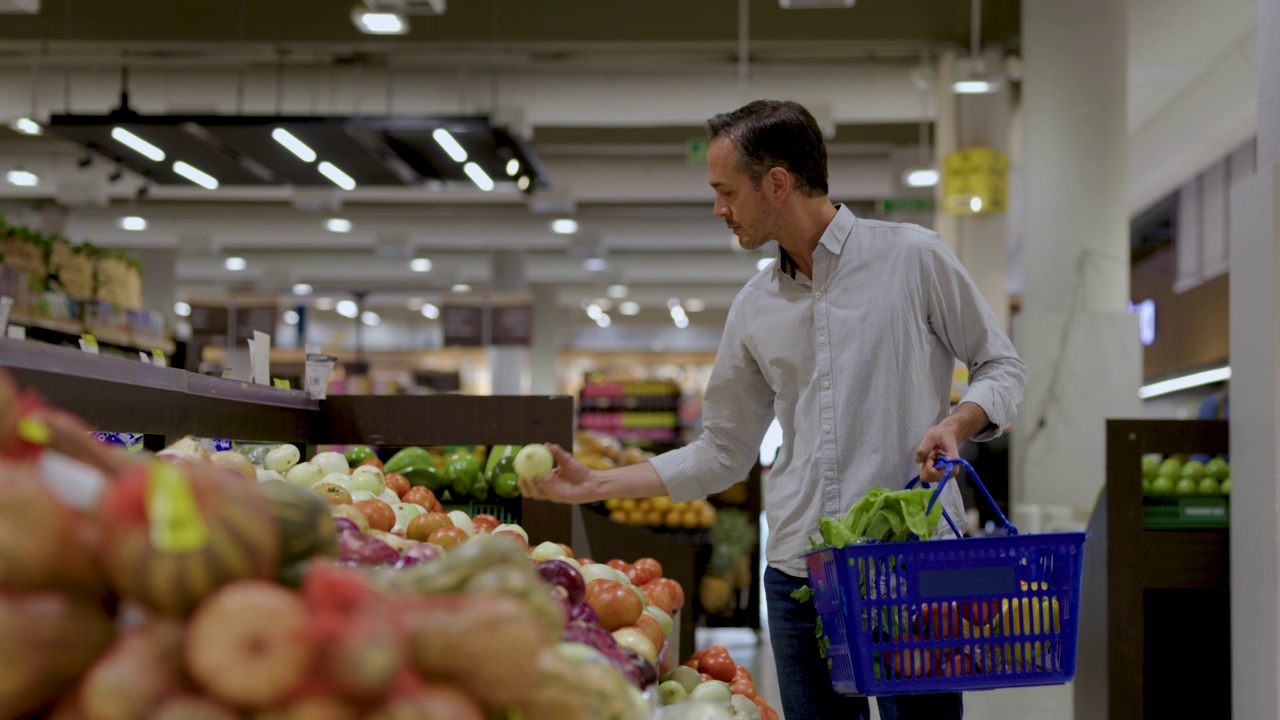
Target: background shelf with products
(644, 412)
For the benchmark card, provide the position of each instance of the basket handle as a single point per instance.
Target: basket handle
(951, 464)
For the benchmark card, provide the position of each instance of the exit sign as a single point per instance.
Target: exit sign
(695, 151)
(920, 204)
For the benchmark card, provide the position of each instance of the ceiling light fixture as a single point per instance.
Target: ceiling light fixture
(1185, 382)
(617, 292)
(235, 264)
(971, 78)
(378, 23)
(302, 289)
(604, 320)
(595, 264)
(137, 144)
(695, 305)
(446, 141)
(564, 226)
(132, 223)
(338, 225)
(291, 317)
(681, 322)
(461, 288)
(523, 182)
(370, 318)
(22, 178)
(594, 311)
(26, 126)
(420, 264)
(181, 309)
(430, 312)
(513, 167)
(629, 308)
(975, 204)
(972, 86)
(338, 177)
(196, 175)
(478, 176)
(324, 303)
(347, 308)
(294, 145)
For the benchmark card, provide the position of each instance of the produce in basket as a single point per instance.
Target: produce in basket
(47, 641)
(140, 670)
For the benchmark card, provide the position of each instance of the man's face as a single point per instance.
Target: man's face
(742, 206)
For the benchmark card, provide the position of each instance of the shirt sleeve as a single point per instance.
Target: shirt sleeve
(736, 411)
(961, 318)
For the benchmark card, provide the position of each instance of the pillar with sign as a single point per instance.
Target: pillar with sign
(510, 319)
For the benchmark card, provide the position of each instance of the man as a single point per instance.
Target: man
(850, 339)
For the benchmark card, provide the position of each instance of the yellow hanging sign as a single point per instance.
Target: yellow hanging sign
(975, 181)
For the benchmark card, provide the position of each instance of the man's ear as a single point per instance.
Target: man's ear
(778, 182)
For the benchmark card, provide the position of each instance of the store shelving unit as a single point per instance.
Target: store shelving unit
(1155, 607)
(164, 404)
(636, 412)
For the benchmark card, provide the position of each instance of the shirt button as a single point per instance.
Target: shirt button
(830, 474)
(826, 384)
(826, 428)
(822, 339)
(818, 295)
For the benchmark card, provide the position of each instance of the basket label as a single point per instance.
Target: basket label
(967, 582)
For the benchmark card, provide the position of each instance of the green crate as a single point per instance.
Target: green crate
(505, 514)
(1186, 512)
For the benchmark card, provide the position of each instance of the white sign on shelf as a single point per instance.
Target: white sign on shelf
(6, 304)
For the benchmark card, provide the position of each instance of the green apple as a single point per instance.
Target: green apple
(1216, 468)
(1150, 466)
(1194, 469)
(1225, 487)
(1208, 486)
(1185, 486)
(1170, 468)
(1162, 485)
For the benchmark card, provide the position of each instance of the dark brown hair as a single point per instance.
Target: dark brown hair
(776, 133)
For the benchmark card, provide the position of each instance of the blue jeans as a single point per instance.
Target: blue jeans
(803, 677)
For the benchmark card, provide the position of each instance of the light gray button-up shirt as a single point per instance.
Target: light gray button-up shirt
(855, 363)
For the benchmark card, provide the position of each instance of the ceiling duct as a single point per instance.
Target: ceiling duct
(815, 4)
(407, 7)
(23, 7)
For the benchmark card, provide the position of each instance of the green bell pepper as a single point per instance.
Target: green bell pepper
(461, 472)
(416, 464)
(501, 459)
(359, 454)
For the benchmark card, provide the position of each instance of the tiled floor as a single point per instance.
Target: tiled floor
(1039, 703)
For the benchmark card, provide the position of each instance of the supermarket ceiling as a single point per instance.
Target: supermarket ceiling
(606, 94)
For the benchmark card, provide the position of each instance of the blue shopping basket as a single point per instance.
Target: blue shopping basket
(949, 615)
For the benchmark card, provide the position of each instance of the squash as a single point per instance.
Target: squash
(306, 525)
(174, 536)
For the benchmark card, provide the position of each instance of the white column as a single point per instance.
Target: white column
(543, 359)
(1081, 347)
(1255, 401)
(946, 140)
(509, 365)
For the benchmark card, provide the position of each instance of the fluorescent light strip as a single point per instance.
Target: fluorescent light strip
(972, 87)
(26, 126)
(338, 177)
(22, 178)
(195, 175)
(382, 23)
(137, 144)
(1186, 382)
(294, 145)
(513, 167)
(450, 145)
(478, 176)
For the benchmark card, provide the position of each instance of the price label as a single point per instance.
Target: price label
(158, 358)
(6, 304)
(175, 521)
(226, 372)
(16, 332)
(89, 343)
(145, 358)
(281, 383)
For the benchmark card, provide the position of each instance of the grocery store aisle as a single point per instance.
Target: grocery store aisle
(1038, 703)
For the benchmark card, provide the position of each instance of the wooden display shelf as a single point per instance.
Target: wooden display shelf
(1155, 604)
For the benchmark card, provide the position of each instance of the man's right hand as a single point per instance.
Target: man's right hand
(569, 482)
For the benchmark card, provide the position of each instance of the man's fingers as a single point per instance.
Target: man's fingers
(562, 458)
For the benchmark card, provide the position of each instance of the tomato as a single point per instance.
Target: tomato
(744, 688)
(719, 666)
(485, 523)
(658, 596)
(651, 629)
(764, 706)
(695, 663)
(638, 575)
(448, 537)
(399, 484)
(743, 673)
(619, 565)
(673, 588)
(379, 514)
(417, 495)
(586, 561)
(650, 566)
(421, 527)
(706, 677)
(436, 506)
(568, 551)
(371, 461)
(616, 604)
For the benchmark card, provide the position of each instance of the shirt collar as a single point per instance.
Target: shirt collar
(833, 239)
